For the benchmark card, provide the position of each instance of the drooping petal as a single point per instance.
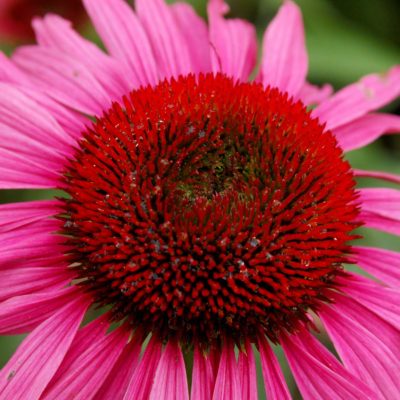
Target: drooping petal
(382, 300)
(36, 360)
(28, 235)
(195, 33)
(170, 381)
(54, 32)
(383, 264)
(370, 93)
(53, 257)
(142, 380)
(247, 373)
(125, 38)
(82, 341)
(25, 247)
(386, 176)
(233, 42)
(116, 383)
(380, 209)
(381, 223)
(69, 120)
(368, 345)
(63, 78)
(383, 201)
(10, 73)
(215, 357)
(365, 130)
(170, 47)
(20, 281)
(15, 215)
(310, 94)
(33, 145)
(19, 171)
(22, 314)
(25, 116)
(227, 381)
(17, 148)
(42, 246)
(45, 249)
(318, 373)
(274, 381)
(88, 371)
(285, 61)
(203, 377)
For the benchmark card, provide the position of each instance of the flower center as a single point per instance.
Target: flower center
(202, 208)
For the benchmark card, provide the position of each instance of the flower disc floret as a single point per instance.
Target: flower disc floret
(202, 208)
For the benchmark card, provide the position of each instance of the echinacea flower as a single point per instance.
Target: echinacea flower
(16, 15)
(209, 215)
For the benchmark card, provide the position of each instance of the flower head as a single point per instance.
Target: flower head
(206, 212)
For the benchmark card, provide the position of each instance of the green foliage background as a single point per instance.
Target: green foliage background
(346, 40)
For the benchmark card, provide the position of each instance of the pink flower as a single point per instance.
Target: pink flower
(16, 15)
(209, 215)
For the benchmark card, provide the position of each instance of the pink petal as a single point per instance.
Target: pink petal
(233, 42)
(203, 377)
(17, 151)
(274, 381)
(22, 171)
(383, 264)
(170, 381)
(379, 222)
(365, 130)
(82, 341)
(22, 314)
(171, 48)
(318, 373)
(16, 215)
(368, 346)
(285, 61)
(377, 175)
(370, 93)
(11, 73)
(11, 179)
(22, 247)
(142, 380)
(29, 234)
(23, 115)
(70, 121)
(195, 33)
(125, 39)
(380, 209)
(85, 337)
(116, 383)
(310, 94)
(43, 246)
(382, 300)
(215, 357)
(35, 362)
(16, 282)
(64, 78)
(54, 256)
(33, 146)
(227, 381)
(385, 202)
(247, 373)
(88, 371)
(57, 33)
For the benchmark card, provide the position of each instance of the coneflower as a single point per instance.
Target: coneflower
(209, 215)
